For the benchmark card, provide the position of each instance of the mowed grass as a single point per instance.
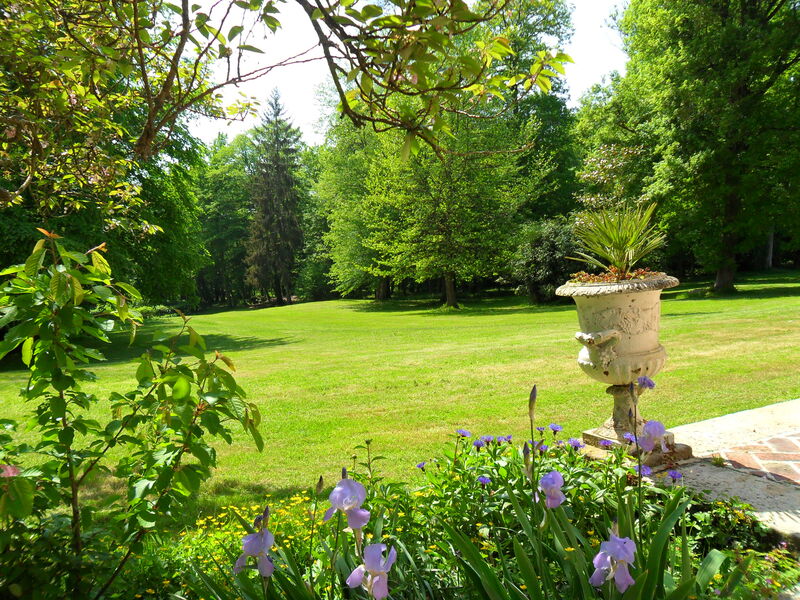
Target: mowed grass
(405, 374)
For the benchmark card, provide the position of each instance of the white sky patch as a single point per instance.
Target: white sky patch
(596, 49)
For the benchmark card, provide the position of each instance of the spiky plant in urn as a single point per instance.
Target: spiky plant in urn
(619, 311)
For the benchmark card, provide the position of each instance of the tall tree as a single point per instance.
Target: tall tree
(342, 187)
(720, 83)
(447, 218)
(224, 198)
(275, 236)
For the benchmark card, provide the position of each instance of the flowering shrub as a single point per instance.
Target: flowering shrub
(476, 526)
(488, 519)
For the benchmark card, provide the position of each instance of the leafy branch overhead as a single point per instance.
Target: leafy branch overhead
(406, 64)
(106, 83)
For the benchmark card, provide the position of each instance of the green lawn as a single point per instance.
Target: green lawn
(328, 375)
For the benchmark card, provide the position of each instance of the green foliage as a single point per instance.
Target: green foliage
(223, 190)
(151, 448)
(540, 261)
(66, 143)
(618, 239)
(445, 218)
(342, 188)
(456, 537)
(710, 98)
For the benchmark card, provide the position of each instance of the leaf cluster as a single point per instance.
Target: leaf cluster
(153, 442)
(618, 238)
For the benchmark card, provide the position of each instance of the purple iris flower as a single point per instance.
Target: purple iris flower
(646, 383)
(540, 429)
(629, 437)
(543, 448)
(606, 443)
(479, 443)
(487, 439)
(575, 443)
(463, 433)
(551, 484)
(421, 465)
(612, 562)
(674, 475)
(555, 428)
(484, 481)
(653, 433)
(348, 496)
(373, 575)
(645, 471)
(504, 439)
(655, 429)
(257, 545)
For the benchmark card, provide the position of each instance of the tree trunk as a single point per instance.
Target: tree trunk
(450, 290)
(727, 265)
(383, 290)
(730, 239)
(724, 279)
(279, 300)
(768, 256)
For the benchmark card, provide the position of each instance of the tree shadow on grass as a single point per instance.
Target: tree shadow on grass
(690, 314)
(743, 293)
(219, 494)
(121, 350)
(759, 284)
(216, 495)
(428, 307)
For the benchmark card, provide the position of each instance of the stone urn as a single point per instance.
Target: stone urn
(619, 324)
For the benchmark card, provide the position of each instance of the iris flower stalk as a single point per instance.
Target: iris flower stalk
(635, 399)
(317, 492)
(531, 420)
(257, 545)
(459, 435)
(612, 561)
(346, 499)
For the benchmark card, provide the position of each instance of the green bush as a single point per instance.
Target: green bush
(540, 261)
(92, 477)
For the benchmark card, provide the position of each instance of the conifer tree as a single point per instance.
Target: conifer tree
(275, 235)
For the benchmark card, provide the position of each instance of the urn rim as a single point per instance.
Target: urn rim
(658, 281)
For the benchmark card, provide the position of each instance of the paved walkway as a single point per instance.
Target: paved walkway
(755, 455)
(761, 448)
(776, 458)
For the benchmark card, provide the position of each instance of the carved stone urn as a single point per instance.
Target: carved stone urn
(619, 324)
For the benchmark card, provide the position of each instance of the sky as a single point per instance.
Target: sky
(595, 47)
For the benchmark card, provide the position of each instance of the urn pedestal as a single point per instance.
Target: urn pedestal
(619, 325)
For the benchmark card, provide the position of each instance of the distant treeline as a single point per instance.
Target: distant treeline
(705, 124)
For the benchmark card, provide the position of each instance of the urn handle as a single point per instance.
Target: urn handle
(603, 341)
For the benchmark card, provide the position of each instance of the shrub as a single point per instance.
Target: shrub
(97, 476)
(617, 239)
(540, 261)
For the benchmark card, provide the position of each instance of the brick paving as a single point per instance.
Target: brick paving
(776, 458)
